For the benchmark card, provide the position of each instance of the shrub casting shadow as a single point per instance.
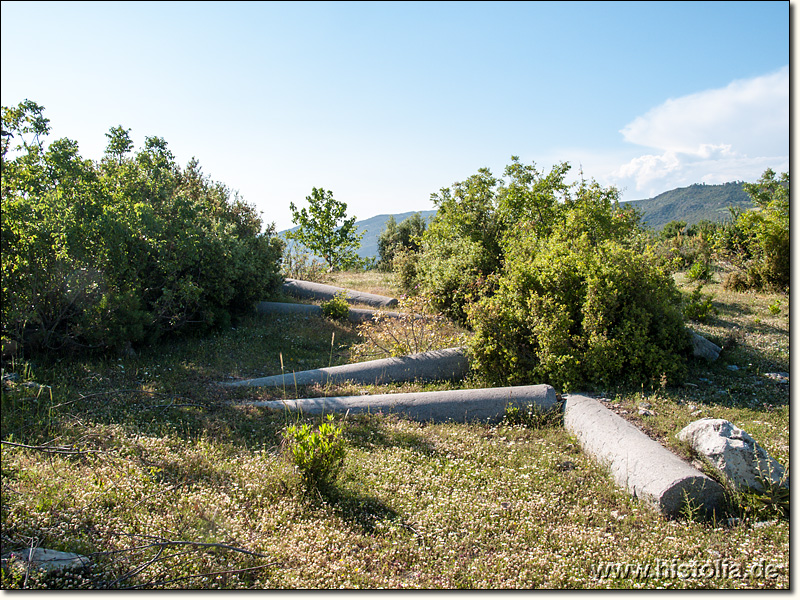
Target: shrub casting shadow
(362, 511)
(367, 431)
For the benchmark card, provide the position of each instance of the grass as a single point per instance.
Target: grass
(144, 464)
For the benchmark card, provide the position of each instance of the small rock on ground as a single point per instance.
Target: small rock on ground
(780, 376)
(48, 560)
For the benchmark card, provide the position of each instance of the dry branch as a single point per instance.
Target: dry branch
(63, 450)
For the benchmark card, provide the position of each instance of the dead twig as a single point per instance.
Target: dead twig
(162, 545)
(138, 569)
(28, 565)
(166, 543)
(64, 450)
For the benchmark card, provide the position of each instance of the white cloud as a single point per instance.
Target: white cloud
(714, 136)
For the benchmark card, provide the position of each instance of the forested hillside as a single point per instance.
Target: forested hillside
(693, 204)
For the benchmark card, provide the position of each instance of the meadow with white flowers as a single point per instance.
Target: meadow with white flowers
(165, 480)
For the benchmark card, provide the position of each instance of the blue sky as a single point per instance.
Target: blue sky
(385, 103)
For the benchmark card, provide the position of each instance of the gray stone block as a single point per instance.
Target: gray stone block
(703, 348)
(49, 560)
(734, 453)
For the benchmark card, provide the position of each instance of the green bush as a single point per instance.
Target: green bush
(102, 255)
(699, 306)
(318, 455)
(336, 308)
(700, 271)
(553, 279)
(453, 271)
(575, 314)
(681, 252)
(735, 281)
(673, 229)
(404, 265)
(461, 246)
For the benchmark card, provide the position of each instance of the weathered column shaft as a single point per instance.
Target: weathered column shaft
(486, 405)
(451, 363)
(638, 463)
(321, 291)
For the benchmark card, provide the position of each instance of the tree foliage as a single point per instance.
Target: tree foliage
(407, 236)
(758, 241)
(464, 248)
(552, 279)
(106, 254)
(673, 229)
(323, 228)
(461, 246)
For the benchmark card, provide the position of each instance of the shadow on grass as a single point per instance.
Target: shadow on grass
(761, 327)
(371, 430)
(362, 512)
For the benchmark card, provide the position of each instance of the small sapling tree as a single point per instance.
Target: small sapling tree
(325, 229)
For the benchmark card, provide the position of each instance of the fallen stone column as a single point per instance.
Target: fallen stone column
(638, 463)
(355, 315)
(451, 363)
(309, 290)
(48, 560)
(486, 405)
(287, 308)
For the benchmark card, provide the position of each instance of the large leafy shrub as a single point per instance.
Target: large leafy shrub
(106, 254)
(461, 246)
(574, 313)
(553, 280)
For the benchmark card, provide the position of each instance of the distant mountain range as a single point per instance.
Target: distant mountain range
(373, 226)
(691, 204)
(372, 229)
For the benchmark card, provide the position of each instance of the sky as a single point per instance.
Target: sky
(385, 103)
